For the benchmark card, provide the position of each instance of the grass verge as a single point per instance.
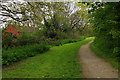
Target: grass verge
(58, 62)
(112, 60)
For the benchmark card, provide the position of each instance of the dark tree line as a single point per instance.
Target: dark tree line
(106, 27)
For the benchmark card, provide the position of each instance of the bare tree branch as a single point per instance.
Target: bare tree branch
(17, 19)
(4, 7)
(12, 13)
(4, 21)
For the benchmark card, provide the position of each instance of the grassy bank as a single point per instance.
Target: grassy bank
(108, 57)
(19, 53)
(58, 62)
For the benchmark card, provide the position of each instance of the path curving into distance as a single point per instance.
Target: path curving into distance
(93, 66)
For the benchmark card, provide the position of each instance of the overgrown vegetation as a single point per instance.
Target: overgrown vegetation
(57, 23)
(64, 41)
(58, 62)
(106, 30)
(109, 58)
(48, 21)
(16, 54)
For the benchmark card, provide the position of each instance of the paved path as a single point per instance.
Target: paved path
(93, 66)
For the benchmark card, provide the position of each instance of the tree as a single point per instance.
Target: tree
(12, 10)
(79, 20)
(106, 28)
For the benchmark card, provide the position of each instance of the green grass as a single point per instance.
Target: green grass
(59, 62)
(112, 60)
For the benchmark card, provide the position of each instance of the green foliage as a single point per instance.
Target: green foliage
(27, 38)
(7, 39)
(57, 22)
(56, 26)
(80, 20)
(64, 41)
(15, 54)
(58, 62)
(106, 29)
(108, 57)
(18, 53)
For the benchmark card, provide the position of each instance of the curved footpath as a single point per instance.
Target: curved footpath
(93, 66)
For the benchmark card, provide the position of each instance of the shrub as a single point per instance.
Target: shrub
(106, 29)
(15, 54)
(27, 38)
(64, 41)
(7, 39)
